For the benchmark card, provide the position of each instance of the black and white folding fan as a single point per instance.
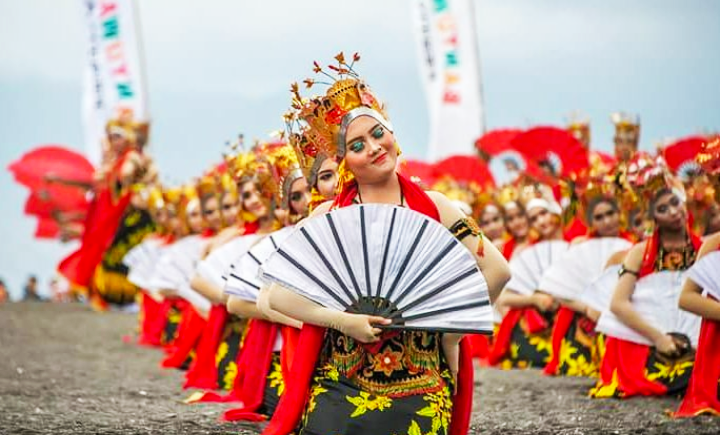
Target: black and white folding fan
(655, 299)
(242, 278)
(213, 267)
(177, 263)
(387, 261)
(579, 266)
(598, 294)
(141, 260)
(528, 266)
(706, 273)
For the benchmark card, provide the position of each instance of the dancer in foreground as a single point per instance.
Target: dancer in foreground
(352, 378)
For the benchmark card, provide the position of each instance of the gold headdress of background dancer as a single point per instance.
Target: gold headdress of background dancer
(327, 117)
(709, 160)
(282, 161)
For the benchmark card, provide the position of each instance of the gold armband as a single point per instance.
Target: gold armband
(468, 227)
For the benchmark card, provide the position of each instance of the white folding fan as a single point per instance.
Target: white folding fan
(655, 299)
(706, 273)
(242, 278)
(217, 262)
(387, 261)
(177, 264)
(140, 261)
(528, 267)
(579, 266)
(598, 293)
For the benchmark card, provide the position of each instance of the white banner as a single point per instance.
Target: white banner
(114, 76)
(450, 67)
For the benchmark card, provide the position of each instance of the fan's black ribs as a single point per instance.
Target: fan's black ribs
(430, 294)
(255, 259)
(315, 279)
(420, 276)
(366, 260)
(327, 264)
(381, 278)
(344, 256)
(451, 309)
(244, 281)
(406, 260)
(272, 240)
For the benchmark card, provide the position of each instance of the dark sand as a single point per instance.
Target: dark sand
(66, 370)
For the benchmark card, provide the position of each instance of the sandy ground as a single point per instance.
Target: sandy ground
(67, 370)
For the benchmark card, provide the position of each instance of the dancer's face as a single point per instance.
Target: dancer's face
(516, 221)
(194, 217)
(491, 222)
(370, 151)
(543, 221)
(299, 196)
(251, 201)
(625, 147)
(669, 212)
(327, 178)
(605, 220)
(211, 212)
(230, 208)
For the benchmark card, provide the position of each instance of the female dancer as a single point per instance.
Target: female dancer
(523, 338)
(575, 347)
(703, 394)
(640, 370)
(270, 342)
(351, 379)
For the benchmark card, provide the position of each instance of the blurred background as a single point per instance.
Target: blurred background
(219, 68)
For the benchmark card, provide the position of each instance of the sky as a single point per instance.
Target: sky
(222, 67)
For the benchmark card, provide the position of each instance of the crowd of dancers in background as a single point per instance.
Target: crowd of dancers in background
(612, 264)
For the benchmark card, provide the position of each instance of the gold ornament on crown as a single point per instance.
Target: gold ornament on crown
(285, 169)
(626, 125)
(709, 160)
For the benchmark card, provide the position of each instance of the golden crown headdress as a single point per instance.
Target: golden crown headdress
(579, 127)
(645, 176)
(507, 195)
(309, 156)
(285, 169)
(124, 124)
(626, 125)
(155, 199)
(327, 117)
(208, 185)
(709, 160)
(172, 196)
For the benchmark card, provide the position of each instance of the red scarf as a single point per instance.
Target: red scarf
(297, 389)
(152, 320)
(101, 224)
(254, 365)
(509, 248)
(563, 322)
(188, 335)
(702, 393)
(203, 372)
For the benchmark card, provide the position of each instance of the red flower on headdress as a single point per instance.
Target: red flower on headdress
(310, 150)
(335, 116)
